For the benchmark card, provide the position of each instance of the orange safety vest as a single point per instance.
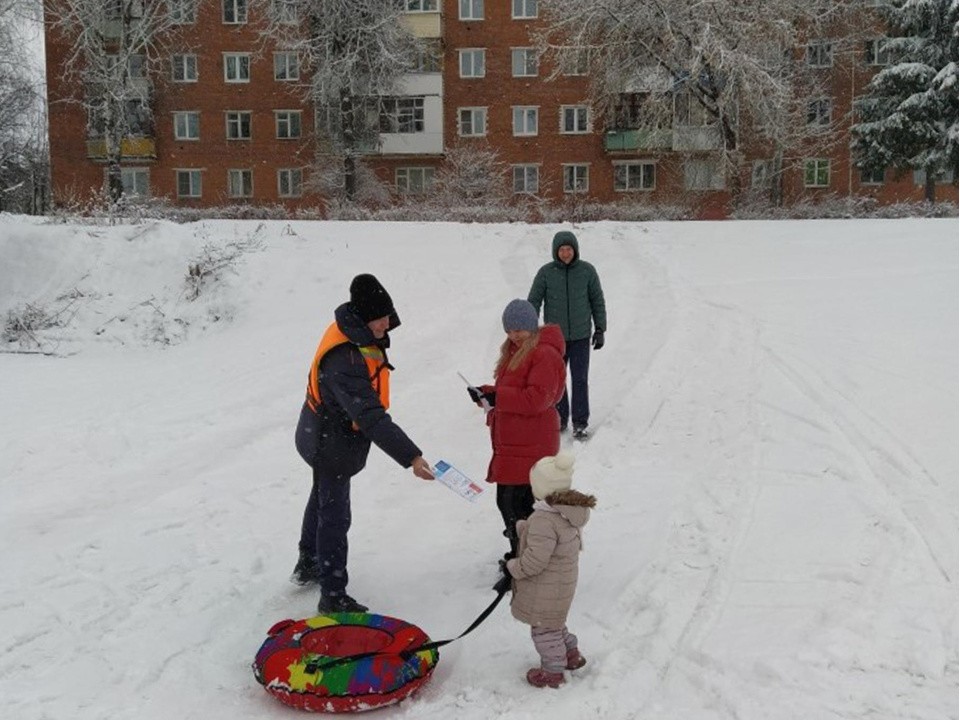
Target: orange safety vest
(374, 357)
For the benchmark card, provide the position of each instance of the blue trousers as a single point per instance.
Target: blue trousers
(578, 359)
(326, 521)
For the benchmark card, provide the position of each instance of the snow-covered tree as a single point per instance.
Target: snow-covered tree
(355, 52)
(722, 69)
(908, 117)
(113, 48)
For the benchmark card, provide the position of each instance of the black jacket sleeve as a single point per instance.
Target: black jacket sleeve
(345, 387)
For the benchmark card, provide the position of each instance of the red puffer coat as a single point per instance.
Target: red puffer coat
(524, 424)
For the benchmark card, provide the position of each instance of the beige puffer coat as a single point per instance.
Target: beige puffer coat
(546, 566)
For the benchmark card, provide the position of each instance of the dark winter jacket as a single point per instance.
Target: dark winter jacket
(570, 294)
(349, 401)
(546, 567)
(524, 424)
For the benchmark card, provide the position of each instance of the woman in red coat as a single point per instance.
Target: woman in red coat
(530, 376)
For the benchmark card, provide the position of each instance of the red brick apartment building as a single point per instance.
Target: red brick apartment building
(230, 123)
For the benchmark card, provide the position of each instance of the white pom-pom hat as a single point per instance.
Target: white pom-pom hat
(551, 474)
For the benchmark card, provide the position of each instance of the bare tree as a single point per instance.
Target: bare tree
(721, 70)
(356, 52)
(112, 47)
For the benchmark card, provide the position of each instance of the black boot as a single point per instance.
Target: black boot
(339, 604)
(306, 570)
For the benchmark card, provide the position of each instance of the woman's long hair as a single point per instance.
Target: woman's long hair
(506, 362)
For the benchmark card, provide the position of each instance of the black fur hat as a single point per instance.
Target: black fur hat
(369, 298)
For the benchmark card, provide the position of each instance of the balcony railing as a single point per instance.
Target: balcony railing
(130, 148)
(677, 138)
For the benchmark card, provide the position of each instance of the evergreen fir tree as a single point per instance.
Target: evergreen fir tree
(908, 118)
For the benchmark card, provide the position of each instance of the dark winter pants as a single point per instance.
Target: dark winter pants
(323, 534)
(515, 502)
(578, 358)
(552, 645)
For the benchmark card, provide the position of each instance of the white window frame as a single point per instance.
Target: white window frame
(183, 122)
(471, 9)
(238, 10)
(869, 177)
(874, 52)
(524, 62)
(182, 12)
(289, 124)
(524, 9)
(129, 177)
(574, 62)
(413, 7)
(473, 63)
(816, 165)
(290, 182)
(185, 63)
(622, 172)
(234, 64)
(284, 11)
(819, 113)
(526, 179)
(237, 119)
(402, 113)
(819, 54)
(286, 66)
(240, 183)
(576, 178)
(413, 180)
(703, 174)
(577, 113)
(195, 181)
(477, 121)
(526, 120)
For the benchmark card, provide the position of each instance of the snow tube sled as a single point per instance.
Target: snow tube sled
(343, 662)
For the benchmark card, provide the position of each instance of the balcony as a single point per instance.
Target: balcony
(637, 139)
(131, 148)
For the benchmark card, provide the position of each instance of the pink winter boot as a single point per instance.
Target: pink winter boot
(575, 660)
(538, 677)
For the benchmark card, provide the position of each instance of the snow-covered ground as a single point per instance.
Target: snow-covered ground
(775, 459)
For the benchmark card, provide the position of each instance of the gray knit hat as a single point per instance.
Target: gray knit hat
(520, 315)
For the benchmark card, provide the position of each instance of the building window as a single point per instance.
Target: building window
(186, 125)
(420, 6)
(576, 178)
(703, 174)
(524, 62)
(284, 11)
(473, 121)
(183, 12)
(184, 68)
(286, 66)
(288, 124)
(472, 63)
(234, 11)
(240, 183)
(941, 177)
(523, 9)
(526, 179)
(816, 173)
(761, 174)
(236, 67)
(525, 120)
(872, 176)
(574, 119)
(429, 57)
(414, 180)
(290, 182)
(238, 125)
(875, 52)
(690, 112)
(628, 176)
(188, 183)
(135, 181)
(818, 113)
(401, 115)
(137, 66)
(574, 61)
(820, 54)
(471, 9)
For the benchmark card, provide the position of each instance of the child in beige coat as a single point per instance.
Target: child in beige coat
(546, 566)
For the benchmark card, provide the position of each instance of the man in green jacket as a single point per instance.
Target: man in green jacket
(569, 290)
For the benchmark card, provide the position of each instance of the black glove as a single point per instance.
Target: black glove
(506, 579)
(475, 393)
(598, 339)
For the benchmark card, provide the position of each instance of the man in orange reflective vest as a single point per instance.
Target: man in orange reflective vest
(348, 394)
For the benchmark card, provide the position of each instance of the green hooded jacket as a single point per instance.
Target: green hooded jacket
(570, 294)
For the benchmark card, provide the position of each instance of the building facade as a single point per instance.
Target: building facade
(229, 120)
